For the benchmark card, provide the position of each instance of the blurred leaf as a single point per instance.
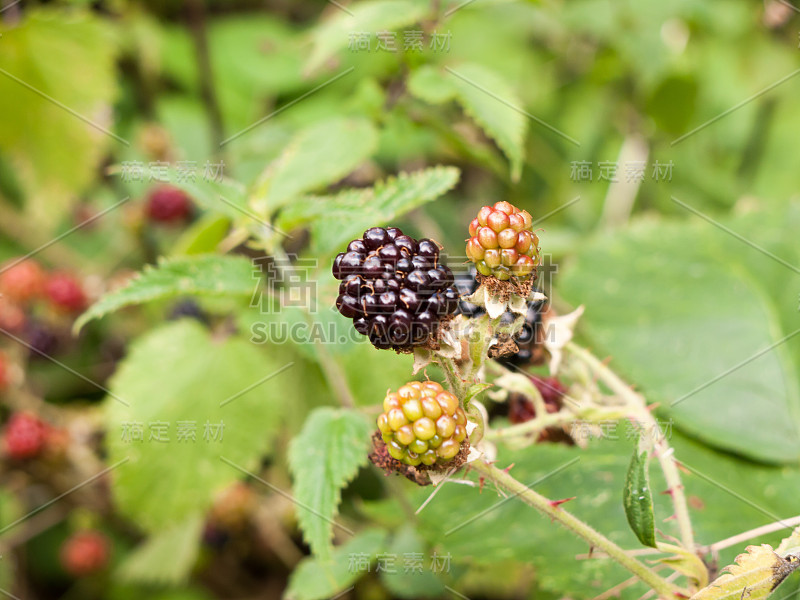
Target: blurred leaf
(485, 96)
(316, 156)
(371, 17)
(431, 85)
(75, 104)
(335, 220)
(672, 104)
(754, 575)
(202, 274)
(323, 458)
(682, 321)
(403, 581)
(166, 557)
(252, 56)
(203, 236)
(637, 499)
(178, 374)
(317, 579)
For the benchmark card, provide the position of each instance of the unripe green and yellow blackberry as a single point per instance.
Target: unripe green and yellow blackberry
(502, 242)
(422, 424)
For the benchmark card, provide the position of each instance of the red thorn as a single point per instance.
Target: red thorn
(669, 492)
(557, 503)
(509, 467)
(670, 518)
(481, 481)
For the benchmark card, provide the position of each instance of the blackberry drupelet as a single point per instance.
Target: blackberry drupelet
(395, 288)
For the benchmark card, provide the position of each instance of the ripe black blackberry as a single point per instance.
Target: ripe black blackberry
(394, 288)
(526, 338)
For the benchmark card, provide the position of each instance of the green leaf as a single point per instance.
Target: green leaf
(323, 459)
(75, 105)
(167, 557)
(203, 236)
(790, 545)
(485, 96)
(377, 15)
(754, 575)
(400, 580)
(686, 324)
(335, 220)
(637, 498)
(204, 274)
(431, 85)
(316, 578)
(316, 156)
(178, 377)
(512, 531)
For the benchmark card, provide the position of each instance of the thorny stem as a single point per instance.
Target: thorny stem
(596, 539)
(662, 449)
(540, 423)
(507, 482)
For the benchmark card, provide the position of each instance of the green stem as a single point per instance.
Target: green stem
(597, 540)
(539, 424)
(662, 449)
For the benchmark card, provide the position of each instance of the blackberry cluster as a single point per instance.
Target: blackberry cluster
(394, 288)
(422, 424)
(502, 242)
(525, 339)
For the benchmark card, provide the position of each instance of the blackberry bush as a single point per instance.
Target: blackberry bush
(395, 288)
(422, 424)
(502, 243)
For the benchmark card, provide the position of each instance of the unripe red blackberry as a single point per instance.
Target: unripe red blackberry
(422, 424)
(167, 204)
(85, 553)
(65, 293)
(502, 242)
(24, 436)
(394, 288)
(22, 281)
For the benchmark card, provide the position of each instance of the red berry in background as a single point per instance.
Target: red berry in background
(3, 372)
(22, 281)
(85, 553)
(169, 205)
(65, 293)
(233, 507)
(521, 409)
(24, 436)
(12, 317)
(551, 389)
